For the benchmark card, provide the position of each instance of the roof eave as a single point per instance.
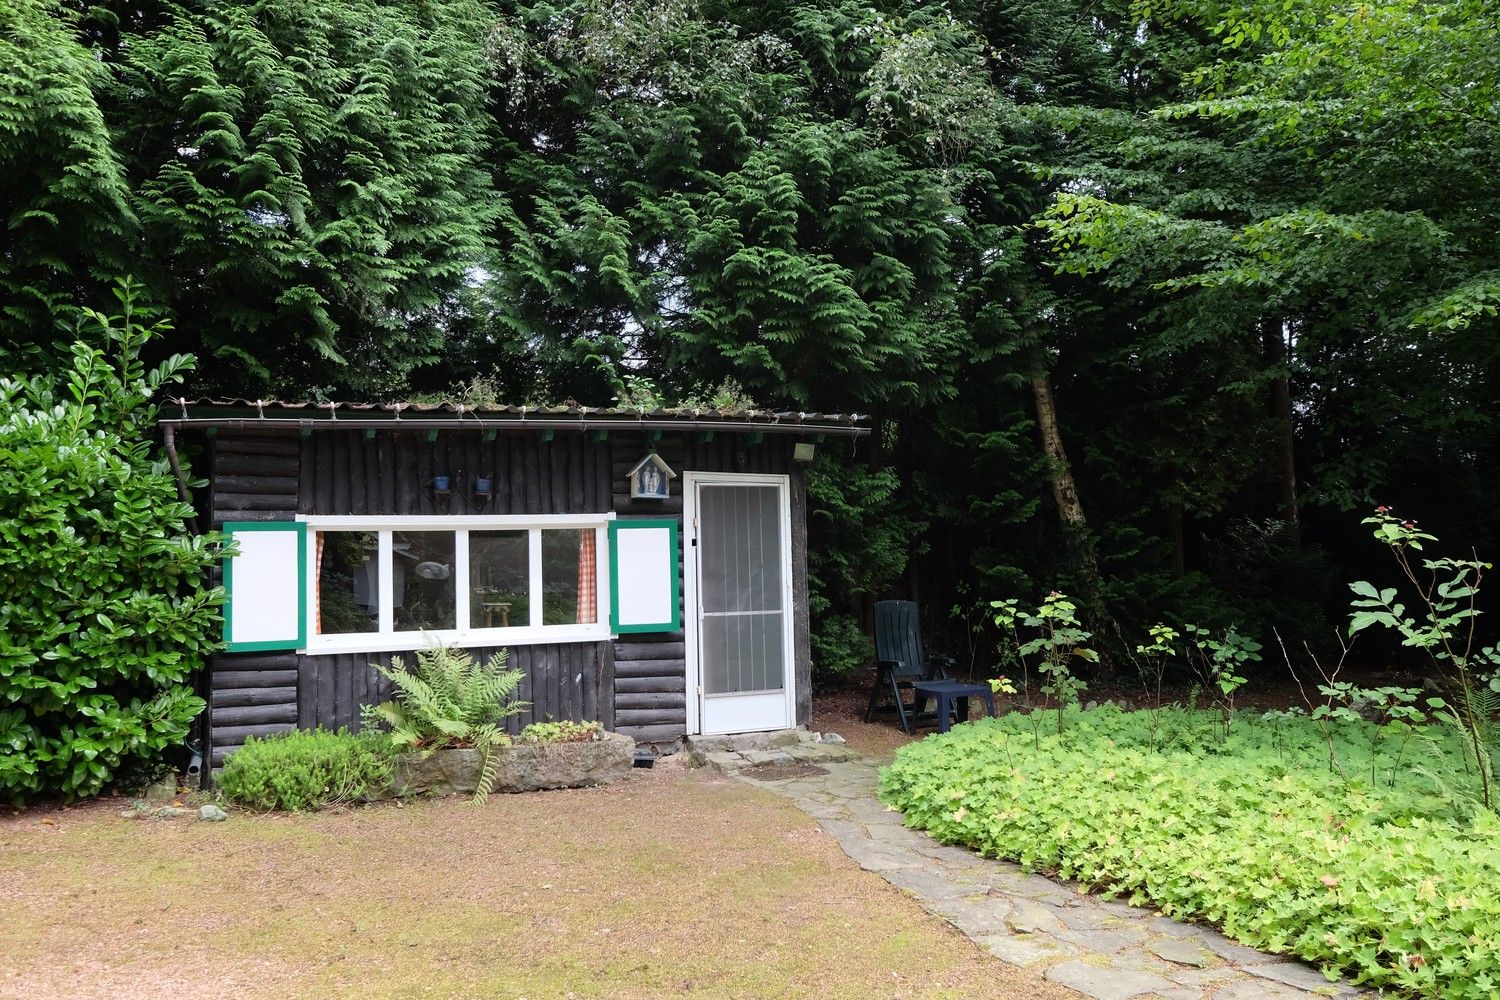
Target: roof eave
(776, 424)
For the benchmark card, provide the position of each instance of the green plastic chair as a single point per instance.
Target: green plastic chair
(900, 662)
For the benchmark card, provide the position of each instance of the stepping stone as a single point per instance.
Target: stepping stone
(876, 859)
(1183, 951)
(1081, 915)
(817, 809)
(1105, 942)
(1028, 918)
(1300, 976)
(755, 757)
(724, 761)
(975, 917)
(1232, 951)
(1259, 990)
(1204, 980)
(1023, 949)
(843, 831)
(925, 884)
(1171, 928)
(952, 855)
(1106, 982)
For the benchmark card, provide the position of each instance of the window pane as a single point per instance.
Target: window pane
(422, 574)
(348, 583)
(499, 577)
(569, 576)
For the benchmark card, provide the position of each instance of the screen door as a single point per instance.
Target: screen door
(743, 592)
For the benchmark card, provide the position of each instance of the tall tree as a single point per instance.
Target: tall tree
(305, 180)
(64, 195)
(1359, 142)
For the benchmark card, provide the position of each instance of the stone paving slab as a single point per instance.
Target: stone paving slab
(1102, 948)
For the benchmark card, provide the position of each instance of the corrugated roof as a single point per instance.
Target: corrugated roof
(181, 411)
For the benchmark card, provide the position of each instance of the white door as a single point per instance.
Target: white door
(739, 603)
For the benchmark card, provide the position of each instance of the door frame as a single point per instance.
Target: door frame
(690, 610)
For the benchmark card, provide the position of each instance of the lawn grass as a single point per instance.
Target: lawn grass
(671, 884)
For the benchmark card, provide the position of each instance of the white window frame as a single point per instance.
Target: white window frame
(466, 634)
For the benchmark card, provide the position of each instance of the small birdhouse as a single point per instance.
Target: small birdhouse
(650, 478)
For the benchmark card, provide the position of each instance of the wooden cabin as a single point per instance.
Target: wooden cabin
(644, 569)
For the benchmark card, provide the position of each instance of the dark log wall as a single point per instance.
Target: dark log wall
(560, 681)
(637, 685)
(349, 472)
(252, 694)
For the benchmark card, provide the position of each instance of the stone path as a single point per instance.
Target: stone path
(1102, 949)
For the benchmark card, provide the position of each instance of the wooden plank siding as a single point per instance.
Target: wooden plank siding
(636, 685)
(254, 479)
(345, 472)
(561, 681)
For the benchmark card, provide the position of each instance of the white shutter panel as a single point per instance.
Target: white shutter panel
(643, 576)
(267, 586)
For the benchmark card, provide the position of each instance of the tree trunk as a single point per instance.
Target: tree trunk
(1070, 510)
(1179, 544)
(1273, 336)
(1059, 471)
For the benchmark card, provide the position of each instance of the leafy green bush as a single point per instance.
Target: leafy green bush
(105, 603)
(308, 769)
(449, 701)
(1388, 881)
(561, 732)
(840, 646)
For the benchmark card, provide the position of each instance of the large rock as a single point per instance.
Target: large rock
(520, 768)
(162, 790)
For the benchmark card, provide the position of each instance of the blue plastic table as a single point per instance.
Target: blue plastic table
(948, 692)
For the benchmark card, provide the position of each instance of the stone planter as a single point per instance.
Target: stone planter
(520, 768)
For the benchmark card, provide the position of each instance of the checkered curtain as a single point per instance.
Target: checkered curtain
(588, 581)
(318, 583)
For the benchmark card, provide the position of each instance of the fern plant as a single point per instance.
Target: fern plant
(449, 701)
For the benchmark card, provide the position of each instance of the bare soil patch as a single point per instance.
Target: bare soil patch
(843, 711)
(672, 883)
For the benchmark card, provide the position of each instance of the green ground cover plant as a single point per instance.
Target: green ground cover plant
(307, 770)
(563, 731)
(1373, 868)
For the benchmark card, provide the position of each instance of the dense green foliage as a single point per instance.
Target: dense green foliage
(300, 183)
(448, 700)
(106, 610)
(1142, 298)
(308, 769)
(1377, 872)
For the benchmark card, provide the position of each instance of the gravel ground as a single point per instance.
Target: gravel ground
(675, 883)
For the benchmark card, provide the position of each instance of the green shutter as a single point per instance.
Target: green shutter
(266, 584)
(643, 576)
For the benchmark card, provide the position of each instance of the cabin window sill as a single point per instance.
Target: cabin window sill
(405, 642)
